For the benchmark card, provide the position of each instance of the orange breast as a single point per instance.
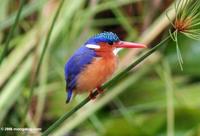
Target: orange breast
(96, 73)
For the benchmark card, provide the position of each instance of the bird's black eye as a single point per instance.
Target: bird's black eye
(110, 43)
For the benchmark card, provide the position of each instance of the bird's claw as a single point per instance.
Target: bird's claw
(91, 95)
(100, 90)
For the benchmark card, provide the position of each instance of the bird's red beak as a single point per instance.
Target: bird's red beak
(123, 44)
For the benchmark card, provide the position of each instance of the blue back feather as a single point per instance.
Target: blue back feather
(73, 67)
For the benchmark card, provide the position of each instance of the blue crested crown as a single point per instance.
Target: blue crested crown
(104, 37)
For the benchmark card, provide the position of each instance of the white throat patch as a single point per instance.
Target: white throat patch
(116, 50)
(92, 46)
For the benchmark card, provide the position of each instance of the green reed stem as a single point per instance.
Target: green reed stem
(95, 93)
(41, 58)
(10, 34)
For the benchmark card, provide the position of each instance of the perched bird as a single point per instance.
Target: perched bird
(93, 63)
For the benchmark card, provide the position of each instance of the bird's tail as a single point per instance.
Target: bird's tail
(69, 95)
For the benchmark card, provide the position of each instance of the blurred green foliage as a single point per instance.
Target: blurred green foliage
(136, 106)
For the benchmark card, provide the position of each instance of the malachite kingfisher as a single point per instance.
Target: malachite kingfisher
(93, 63)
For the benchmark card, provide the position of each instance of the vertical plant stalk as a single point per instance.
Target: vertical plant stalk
(41, 59)
(10, 34)
(169, 99)
(95, 93)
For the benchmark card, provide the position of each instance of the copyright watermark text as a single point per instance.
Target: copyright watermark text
(20, 129)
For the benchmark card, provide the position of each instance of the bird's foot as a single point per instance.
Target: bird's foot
(91, 95)
(100, 90)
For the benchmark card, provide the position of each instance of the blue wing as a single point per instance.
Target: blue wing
(73, 67)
